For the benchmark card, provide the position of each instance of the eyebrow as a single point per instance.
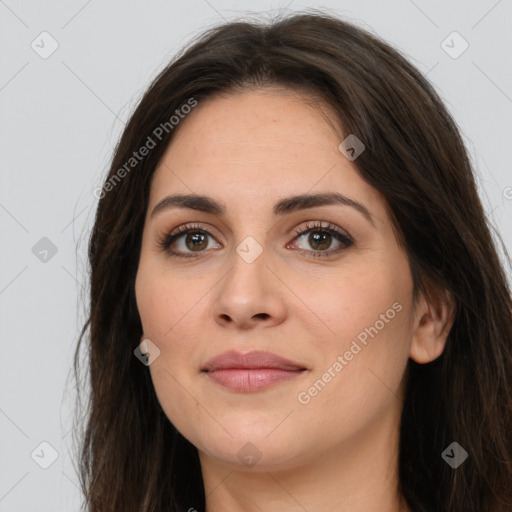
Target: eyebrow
(284, 206)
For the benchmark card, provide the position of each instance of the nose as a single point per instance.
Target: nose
(250, 295)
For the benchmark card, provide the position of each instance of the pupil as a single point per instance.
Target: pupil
(196, 239)
(317, 237)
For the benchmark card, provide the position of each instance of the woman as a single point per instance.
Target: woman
(296, 301)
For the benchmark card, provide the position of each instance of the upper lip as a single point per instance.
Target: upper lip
(250, 360)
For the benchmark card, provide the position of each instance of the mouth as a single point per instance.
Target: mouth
(252, 371)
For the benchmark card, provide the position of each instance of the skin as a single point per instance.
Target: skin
(338, 452)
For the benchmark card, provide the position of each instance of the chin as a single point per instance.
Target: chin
(252, 454)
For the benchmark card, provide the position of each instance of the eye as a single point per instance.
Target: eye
(320, 238)
(188, 239)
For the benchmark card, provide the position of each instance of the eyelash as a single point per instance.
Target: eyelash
(166, 240)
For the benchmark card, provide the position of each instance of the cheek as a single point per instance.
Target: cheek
(166, 304)
(176, 396)
(169, 315)
(363, 349)
(359, 383)
(169, 319)
(362, 304)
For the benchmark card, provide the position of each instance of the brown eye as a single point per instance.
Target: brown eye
(321, 238)
(186, 240)
(196, 241)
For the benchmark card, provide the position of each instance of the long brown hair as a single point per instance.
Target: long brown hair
(131, 457)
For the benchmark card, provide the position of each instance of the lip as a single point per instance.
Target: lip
(251, 371)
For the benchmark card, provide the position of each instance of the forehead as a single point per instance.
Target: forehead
(255, 145)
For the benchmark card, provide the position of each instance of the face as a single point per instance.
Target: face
(324, 286)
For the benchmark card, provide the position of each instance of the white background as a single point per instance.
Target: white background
(60, 120)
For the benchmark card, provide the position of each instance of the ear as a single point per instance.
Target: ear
(432, 324)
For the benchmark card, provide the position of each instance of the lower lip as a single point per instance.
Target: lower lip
(249, 380)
